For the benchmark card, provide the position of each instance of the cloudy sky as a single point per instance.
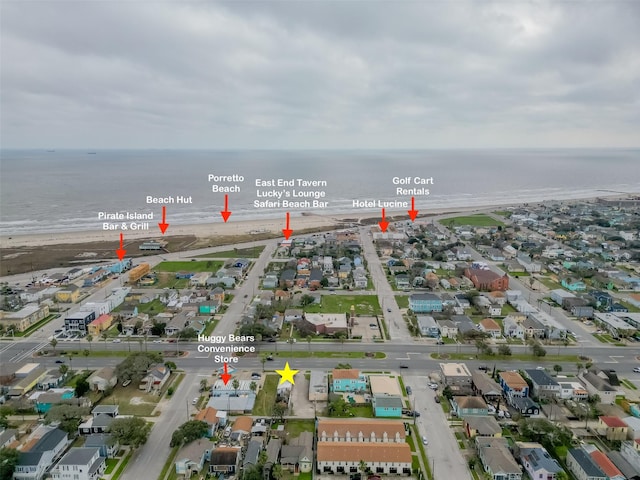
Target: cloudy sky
(320, 74)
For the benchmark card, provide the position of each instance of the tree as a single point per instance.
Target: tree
(579, 367)
(306, 300)
(279, 409)
(557, 368)
(170, 365)
(188, 333)
(504, 350)
(263, 360)
(8, 461)
(204, 385)
(105, 337)
(235, 384)
(86, 352)
(362, 466)
(136, 365)
(133, 431)
(63, 369)
(188, 432)
(447, 393)
(53, 342)
(276, 471)
(253, 386)
(82, 387)
(309, 342)
(89, 340)
(68, 417)
(480, 345)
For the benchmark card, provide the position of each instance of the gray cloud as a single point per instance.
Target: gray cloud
(368, 74)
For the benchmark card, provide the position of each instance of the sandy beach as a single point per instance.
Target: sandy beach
(216, 229)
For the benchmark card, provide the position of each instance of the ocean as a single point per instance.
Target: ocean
(64, 190)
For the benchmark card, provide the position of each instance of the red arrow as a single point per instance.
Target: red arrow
(226, 376)
(164, 225)
(413, 213)
(121, 251)
(287, 231)
(383, 223)
(226, 213)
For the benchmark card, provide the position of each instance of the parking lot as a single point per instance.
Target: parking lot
(367, 328)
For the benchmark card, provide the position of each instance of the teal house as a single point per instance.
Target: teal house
(425, 302)
(573, 285)
(348, 380)
(386, 405)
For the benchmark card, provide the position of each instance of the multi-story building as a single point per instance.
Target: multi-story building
(80, 464)
(348, 380)
(425, 303)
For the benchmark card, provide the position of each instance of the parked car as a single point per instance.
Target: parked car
(636, 369)
(437, 399)
(269, 357)
(59, 361)
(195, 400)
(404, 365)
(408, 389)
(116, 340)
(433, 386)
(424, 440)
(389, 310)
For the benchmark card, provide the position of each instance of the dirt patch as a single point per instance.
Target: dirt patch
(138, 401)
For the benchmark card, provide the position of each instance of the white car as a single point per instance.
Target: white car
(433, 386)
(195, 400)
(116, 340)
(424, 440)
(636, 369)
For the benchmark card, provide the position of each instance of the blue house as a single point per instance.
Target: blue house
(425, 302)
(192, 457)
(386, 405)
(428, 326)
(348, 380)
(183, 275)
(469, 406)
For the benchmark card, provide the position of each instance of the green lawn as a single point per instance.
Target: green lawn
(364, 304)
(520, 274)
(295, 427)
(402, 301)
(208, 329)
(204, 266)
(152, 308)
(518, 357)
(133, 401)
(365, 411)
(478, 220)
(122, 466)
(302, 354)
(549, 283)
(628, 384)
(111, 464)
(36, 326)
(266, 397)
(253, 252)
(631, 308)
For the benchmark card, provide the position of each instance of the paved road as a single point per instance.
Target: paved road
(442, 450)
(396, 325)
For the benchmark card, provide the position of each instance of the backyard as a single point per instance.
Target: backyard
(478, 220)
(204, 266)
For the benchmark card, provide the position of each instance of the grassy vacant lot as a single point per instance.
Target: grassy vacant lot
(133, 401)
(207, 266)
(266, 397)
(478, 220)
(402, 301)
(152, 308)
(295, 427)
(236, 253)
(169, 280)
(364, 304)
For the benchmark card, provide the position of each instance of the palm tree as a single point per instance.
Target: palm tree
(236, 385)
(309, 342)
(263, 360)
(253, 386)
(104, 337)
(204, 384)
(579, 366)
(53, 343)
(63, 369)
(89, 340)
(362, 466)
(557, 368)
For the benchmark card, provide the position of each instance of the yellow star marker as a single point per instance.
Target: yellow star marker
(286, 374)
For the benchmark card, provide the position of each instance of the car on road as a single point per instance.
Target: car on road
(636, 369)
(433, 386)
(195, 400)
(439, 342)
(408, 389)
(270, 358)
(59, 361)
(157, 341)
(437, 399)
(413, 414)
(483, 368)
(424, 440)
(116, 340)
(389, 310)
(404, 365)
